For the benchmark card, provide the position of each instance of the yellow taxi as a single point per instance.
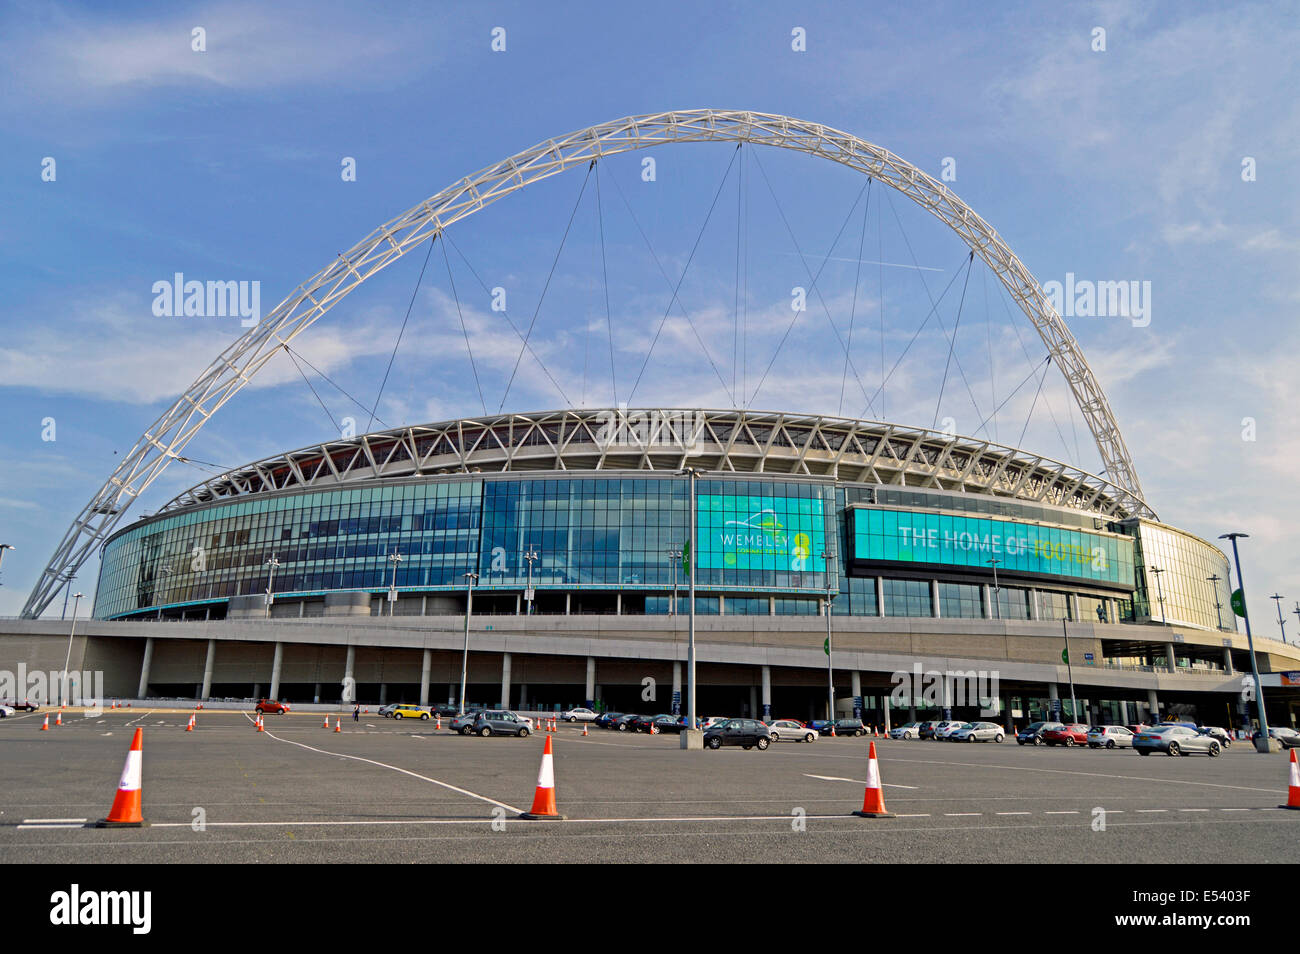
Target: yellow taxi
(410, 712)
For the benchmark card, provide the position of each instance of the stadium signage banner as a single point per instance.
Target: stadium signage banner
(745, 532)
(884, 535)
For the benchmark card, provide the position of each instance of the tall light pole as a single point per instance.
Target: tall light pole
(1281, 623)
(470, 580)
(1069, 668)
(830, 666)
(691, 736)
(67, 659)
(1218, 607)
(1262, 743)
(272, 562)
(997, 601)
(530, 556)
(394, 558)
(1161, 593)
(674, 556)
(66, 591)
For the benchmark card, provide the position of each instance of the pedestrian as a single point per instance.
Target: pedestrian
(356, 713)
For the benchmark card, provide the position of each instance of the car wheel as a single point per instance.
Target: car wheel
(746, 747)
(860, 733)
(1110, 743)
(971, 737)
(1020, 741)
(523, 732)
(1144, 751)
(465, 730)
(397, 716)
(259, 710)
(1037, 741)
(776, 737)
(1173, 748)
(715, 743)
(762, 743)
(1069, 742)
(1214, 750)
(571, 719)
(808, 737)
(622, 727)
(485, 731)
(998, 737)
(424, 717)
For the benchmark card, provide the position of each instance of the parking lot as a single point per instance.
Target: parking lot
(385, 791)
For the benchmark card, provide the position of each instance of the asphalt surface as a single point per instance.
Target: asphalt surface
(381, 791)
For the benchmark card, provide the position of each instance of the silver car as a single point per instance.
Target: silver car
(1175, 740)
(977, 732)
(787, 730)
(1110, 737)
(500, 722)
(909, 730)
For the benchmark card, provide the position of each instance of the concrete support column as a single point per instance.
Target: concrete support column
(505, 680)
(426, 667)
(1154, 704)
(884, 707)
(315, 696)
(1123, 711)
(911, 713)
(144, 668)
(523, 695)
(383, 693)
(618, 604)
(1072, 600)
(934, 598)
(677, 687)
(753, 702)
(988, 601)
(1008, 721)
(767, 687)
(208, 665)
(1034, 612)
(880, 596)
(1227, 660)
(591, 681)
(855, 690)
(568, 601)
(349, 680)
(1053, 693)
(947, 698)
(276, 664)
(1170, 660)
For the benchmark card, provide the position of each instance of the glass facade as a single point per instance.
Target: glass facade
(766, 547)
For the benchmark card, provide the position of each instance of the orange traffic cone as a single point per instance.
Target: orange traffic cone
(58, 718)
(654, 729)
(125, 812)
(544, 799)
(873, 799)
(437, 724)
(338, 725)
(1293, 788)
(327, 722)
(833, 730)
(45, 726)
(189, 726)
(259, 724)
(584, 730)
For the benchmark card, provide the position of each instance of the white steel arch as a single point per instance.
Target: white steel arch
(167, 437)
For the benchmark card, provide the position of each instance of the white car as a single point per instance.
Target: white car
(5, 712)
(787, 730)
(944, 730)
(909, 730)
(977, 732)
(1110, 737)
(579, 715)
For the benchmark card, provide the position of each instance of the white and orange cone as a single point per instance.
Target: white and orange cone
(833, 730)
(584, 730)
(437, 724)
(327, 722)
(125, 812)
(873, 799)
(45, 726)
(1293, 786)
(259, 723)
(654, 729)
(189, 726)
(544, 800)
(338, 725)
(58, 718)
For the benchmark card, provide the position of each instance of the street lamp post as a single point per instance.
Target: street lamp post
(272, 563)
(997, 608)
(1161, 594)
(1069, 668)
(470, 580)
(394, 558)
(1262, 743)
(830, 665)
(67, 590)
(691, 736)
(67, 659)
(1218, 607)
(530, 556)
(1281, 623)
(674, 556)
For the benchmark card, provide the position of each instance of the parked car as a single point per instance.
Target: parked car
(464, 724)
(386, 711)
(1075, 733)
(624, 722)
(788, 730)
(445, 709)
(704, 722)
(1032, 734)
(747, 733)
(662, 723)
(1175, 740)
(908, 730)
(977, 732)
(606, 720)
(499, 722)
(403, 711)
(270, 705)
(579, 714)
(945, 729)
(1110, 737)
(853, 727)
(1215, 732)
(6, 711)
(1289, 737)
(26, 705)
(926, 730)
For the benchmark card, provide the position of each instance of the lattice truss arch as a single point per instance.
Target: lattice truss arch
(725, 441)
(241, 361)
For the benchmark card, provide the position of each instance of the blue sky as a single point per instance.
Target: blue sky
(1122, 164)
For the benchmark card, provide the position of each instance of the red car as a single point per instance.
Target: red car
(1067, 735)
(270, 705)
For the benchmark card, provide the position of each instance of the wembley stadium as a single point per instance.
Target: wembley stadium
(554, 548)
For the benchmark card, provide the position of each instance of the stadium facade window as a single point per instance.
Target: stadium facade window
(961, 600)
(907, 598)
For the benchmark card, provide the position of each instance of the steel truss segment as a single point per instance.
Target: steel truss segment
(314, 297)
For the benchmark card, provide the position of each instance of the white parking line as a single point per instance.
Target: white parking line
(51, 823)
(1060, 813)
(1013, 813)
(857, 781)
(1152, 811)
